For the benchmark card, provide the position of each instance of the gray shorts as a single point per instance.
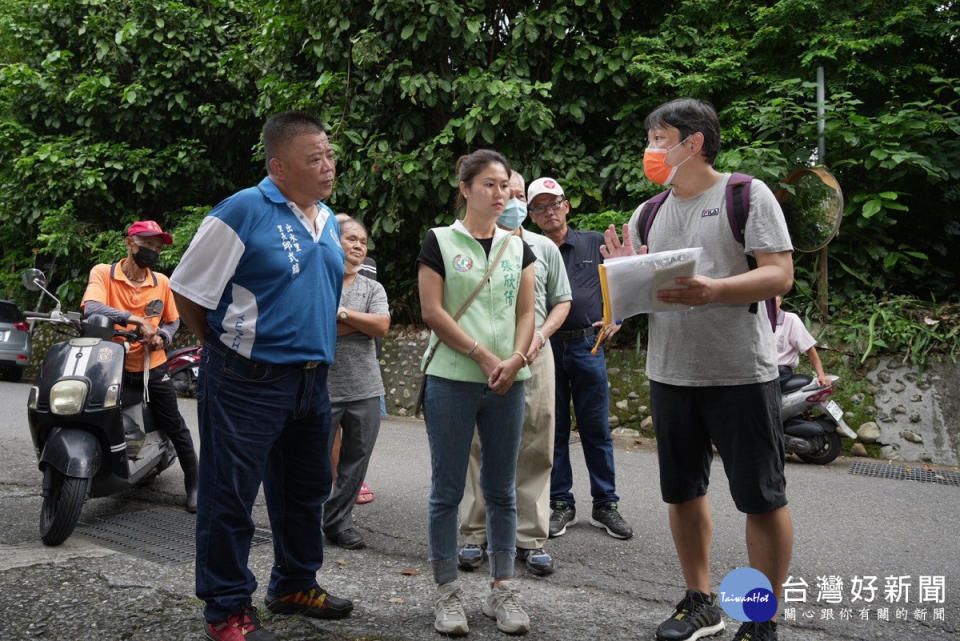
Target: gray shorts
(743, 421)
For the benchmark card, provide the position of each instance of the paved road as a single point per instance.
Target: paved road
(847, 526)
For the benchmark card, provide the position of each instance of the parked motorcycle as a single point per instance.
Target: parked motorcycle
(812, 421)
(92, 436)
(184, 367)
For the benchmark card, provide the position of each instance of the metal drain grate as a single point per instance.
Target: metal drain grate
(162, 535)
(905, 473)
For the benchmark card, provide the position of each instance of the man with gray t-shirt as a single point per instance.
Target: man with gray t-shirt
(713, 369)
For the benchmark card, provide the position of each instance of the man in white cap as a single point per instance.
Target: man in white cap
(578, 373)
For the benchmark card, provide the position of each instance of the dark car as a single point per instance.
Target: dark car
(15, 344)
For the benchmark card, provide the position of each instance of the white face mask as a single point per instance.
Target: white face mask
(514, 213)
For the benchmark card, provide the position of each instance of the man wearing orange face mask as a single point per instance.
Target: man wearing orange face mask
(713, 370)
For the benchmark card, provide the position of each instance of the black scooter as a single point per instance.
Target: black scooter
(91, 439)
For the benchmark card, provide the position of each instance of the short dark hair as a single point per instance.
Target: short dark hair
(283, 127)
(689, 116)
(470, 165)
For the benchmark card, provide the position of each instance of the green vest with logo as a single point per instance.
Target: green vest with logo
(491, 318)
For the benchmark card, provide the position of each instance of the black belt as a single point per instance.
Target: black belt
(574, 334)
(248, 368)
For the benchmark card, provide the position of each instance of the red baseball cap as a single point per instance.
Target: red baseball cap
(149, 228)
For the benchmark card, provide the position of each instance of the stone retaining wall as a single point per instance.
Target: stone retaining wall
(915, 415)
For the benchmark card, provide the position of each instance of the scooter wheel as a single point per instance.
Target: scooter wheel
(184, 384)
(61, 507)
(828, 448)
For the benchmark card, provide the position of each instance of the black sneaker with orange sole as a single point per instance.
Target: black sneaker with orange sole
(315, 602)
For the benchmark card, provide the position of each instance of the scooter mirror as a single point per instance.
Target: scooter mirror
(34, 280)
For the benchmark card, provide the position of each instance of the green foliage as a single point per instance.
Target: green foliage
(112, 112)
(870, 325)
(599, 221)
(408, 87)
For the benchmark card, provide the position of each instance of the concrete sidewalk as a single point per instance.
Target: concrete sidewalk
(846, 526)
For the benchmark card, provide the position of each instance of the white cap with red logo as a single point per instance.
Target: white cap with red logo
(543, 186)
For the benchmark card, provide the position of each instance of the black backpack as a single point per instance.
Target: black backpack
(738, 210)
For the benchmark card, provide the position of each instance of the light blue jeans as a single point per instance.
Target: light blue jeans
(451, 410)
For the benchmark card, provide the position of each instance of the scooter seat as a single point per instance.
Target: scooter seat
(802, 428)
(796, 382)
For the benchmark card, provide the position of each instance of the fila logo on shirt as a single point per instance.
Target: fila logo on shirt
(710, 212)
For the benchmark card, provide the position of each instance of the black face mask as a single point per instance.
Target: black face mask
(146, 257)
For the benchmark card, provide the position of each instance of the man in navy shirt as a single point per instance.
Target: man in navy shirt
(579, 373)
(260, 285)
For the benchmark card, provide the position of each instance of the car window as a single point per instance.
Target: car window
(9, 312)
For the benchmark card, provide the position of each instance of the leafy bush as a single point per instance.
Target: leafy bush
(869, 325)
(113, 111)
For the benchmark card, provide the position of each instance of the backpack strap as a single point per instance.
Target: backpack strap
(738, 210)
(738, 205)
(648, 213)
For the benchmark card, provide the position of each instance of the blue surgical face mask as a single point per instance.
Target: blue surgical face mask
(513, 214)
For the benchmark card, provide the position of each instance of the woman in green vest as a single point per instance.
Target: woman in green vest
(475, 381)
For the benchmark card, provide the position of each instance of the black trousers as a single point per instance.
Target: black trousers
(166, 415)
(785, 372)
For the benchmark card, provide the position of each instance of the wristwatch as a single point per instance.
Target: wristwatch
(342, 314)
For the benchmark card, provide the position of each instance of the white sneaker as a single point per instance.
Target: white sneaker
(448, 609)
(503, 604)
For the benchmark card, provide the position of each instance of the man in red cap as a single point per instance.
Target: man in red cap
(129, 292)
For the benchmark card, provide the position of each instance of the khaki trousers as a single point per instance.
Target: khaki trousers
(533, 465)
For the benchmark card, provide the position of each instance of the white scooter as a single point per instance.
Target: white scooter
(812, 421)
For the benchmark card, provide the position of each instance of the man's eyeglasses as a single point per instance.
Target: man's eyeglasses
(554, 206)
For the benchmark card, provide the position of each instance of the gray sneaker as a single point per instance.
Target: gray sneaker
(561, 515)
(538, 561)
(503, 605)
(608, 517)
(471, 556)
(448, 610)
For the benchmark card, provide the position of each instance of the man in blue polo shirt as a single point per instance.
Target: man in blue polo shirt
(579, 374)
(260, 284)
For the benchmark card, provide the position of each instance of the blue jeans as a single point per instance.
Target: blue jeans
(584, 376)
(451, 410)
(259, 422)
